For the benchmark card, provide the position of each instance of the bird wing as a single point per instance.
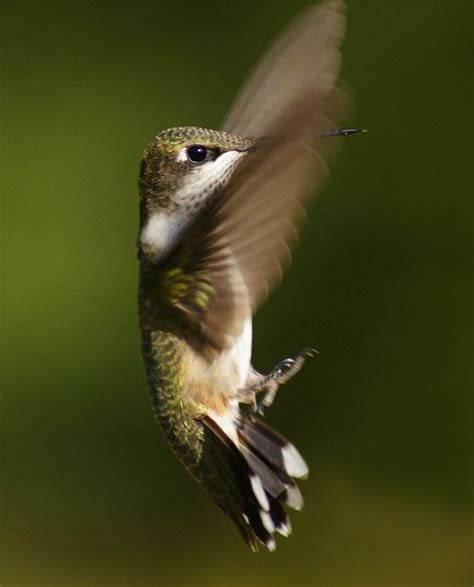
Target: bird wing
(237, 247)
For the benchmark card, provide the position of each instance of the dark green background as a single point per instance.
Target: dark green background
(381, 285)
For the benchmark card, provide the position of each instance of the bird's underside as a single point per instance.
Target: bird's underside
(248, 468)
(219, 211)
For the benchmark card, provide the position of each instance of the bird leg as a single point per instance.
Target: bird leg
(270, 383)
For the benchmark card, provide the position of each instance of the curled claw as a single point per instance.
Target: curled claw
(270, 383)
(283, 367)
(284, 371)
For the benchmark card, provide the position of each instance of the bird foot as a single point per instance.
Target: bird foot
(270, 383)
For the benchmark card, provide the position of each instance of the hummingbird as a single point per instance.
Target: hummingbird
(219, 211)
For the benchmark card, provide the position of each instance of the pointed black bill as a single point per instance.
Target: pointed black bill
(342, 132)
(337, 132)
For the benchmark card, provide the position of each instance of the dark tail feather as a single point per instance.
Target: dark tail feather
(235, 487)
(256, 471)
(272, 447)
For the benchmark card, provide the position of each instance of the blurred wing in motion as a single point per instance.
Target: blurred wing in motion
(238, 246)
(293, 96)
(303, 63)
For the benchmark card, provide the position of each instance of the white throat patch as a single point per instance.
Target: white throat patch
(203, 180)
(162, 232)
(164, 229)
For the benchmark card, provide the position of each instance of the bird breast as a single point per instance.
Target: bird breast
(214, 384)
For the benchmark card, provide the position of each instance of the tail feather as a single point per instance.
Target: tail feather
(280, 518)
(256, 471)
(270, 480)
(274, 479)
(234, 486)
(273, 447)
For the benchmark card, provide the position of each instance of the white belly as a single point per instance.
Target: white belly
(236, 360)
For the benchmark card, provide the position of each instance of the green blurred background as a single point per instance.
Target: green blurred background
(381, 285)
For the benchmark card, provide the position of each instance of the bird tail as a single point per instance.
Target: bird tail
(251, 475)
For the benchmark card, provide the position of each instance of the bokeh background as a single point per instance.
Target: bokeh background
(381, 285)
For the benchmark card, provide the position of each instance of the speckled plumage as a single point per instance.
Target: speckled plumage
(161, 176)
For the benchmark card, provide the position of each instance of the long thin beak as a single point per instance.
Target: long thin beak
(337, 132)
(342, 132)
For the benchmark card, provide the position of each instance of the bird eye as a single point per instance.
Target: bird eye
(197, 154)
